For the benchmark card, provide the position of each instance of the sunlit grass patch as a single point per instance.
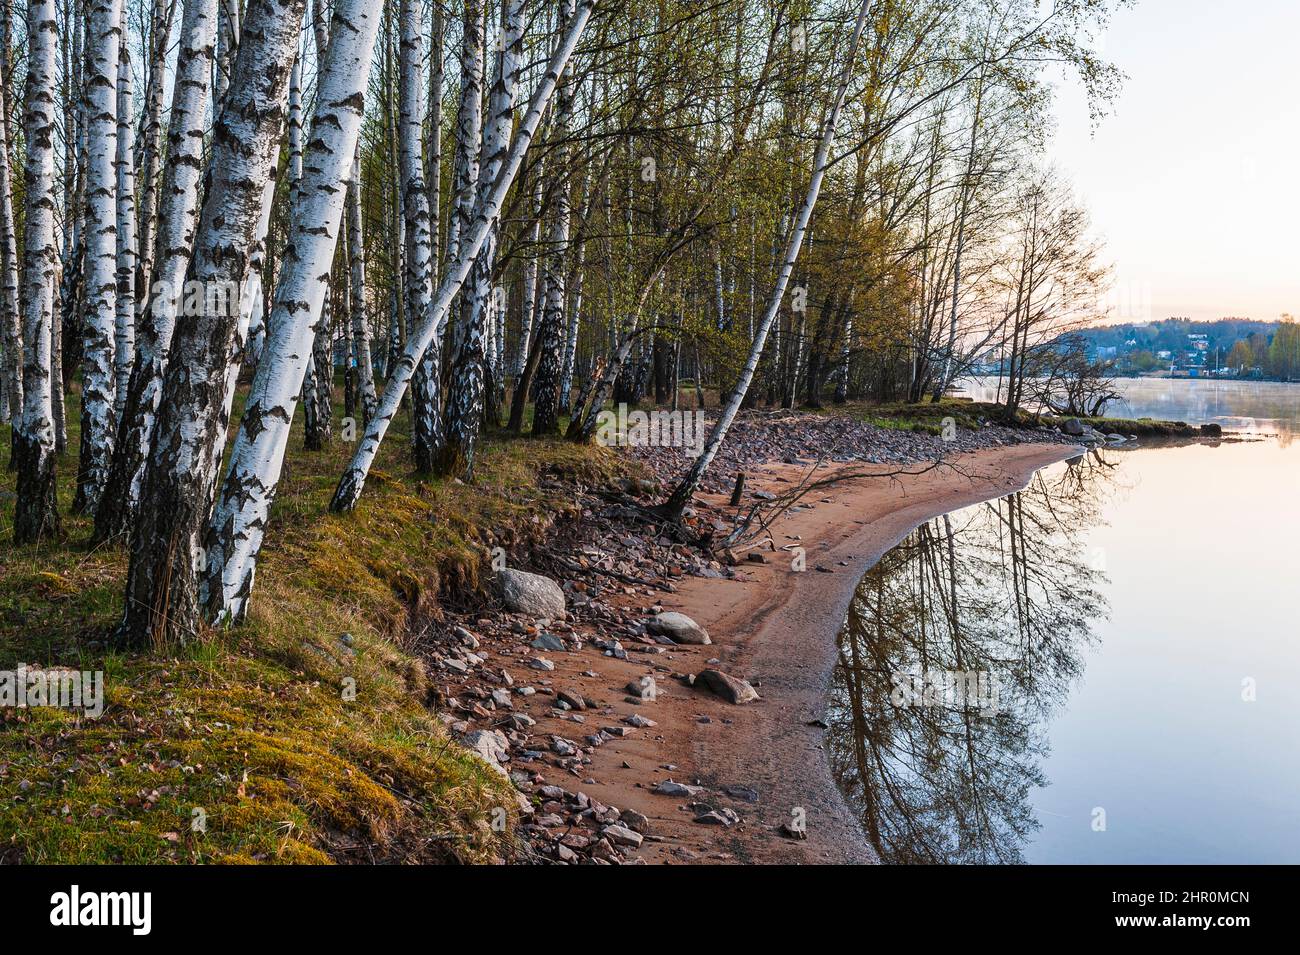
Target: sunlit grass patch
(301, 735)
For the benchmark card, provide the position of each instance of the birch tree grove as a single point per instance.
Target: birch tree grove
(162, 600)
(682, 494)
(178, 210)
(468, 245)
(493, 215)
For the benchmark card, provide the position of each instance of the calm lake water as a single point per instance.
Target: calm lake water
(1266, 407)
(1133, 613)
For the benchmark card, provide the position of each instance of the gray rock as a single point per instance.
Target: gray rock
(547, 641)
(718, 817)
(1074, 427)
(562, 746)
(667, 787)
(490, 745)
(541, 663)
(643, 689)
(678, 627)
(728, 687)
(530, 594)
(622, 836)
(639, 721)
(635, 821)
(573, 698)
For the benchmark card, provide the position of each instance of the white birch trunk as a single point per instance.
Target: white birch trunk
(239, 519)
(571, 333)
(427, 399)
(466, 398)
(546, 408)
(422, 334)
(530, 281)
(36, 514)
(150, 151)
(98, 391)
(124, 341)
(360, 321)
(11, 336)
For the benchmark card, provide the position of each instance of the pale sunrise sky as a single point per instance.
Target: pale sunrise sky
(1192, 178)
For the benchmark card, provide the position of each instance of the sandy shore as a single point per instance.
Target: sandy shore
(775, 627)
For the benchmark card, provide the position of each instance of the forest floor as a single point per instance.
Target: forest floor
(325, 727)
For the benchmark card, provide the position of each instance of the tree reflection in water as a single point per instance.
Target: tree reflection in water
(1004, 589)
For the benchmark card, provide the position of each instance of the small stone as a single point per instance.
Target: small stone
(666, 787)
(731, 689)
(491, 745)
(622, 836)
(718, 817)
(643, 689)
(572, 698)
(547, 641)
(790, 832)
(635, 820)
(563, 747)
(541, 663)
(639, 721)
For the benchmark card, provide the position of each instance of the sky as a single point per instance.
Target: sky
(1193, 177)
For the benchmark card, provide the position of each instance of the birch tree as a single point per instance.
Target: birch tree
(11, 336)
(162, 595)
(150, 144)
(36, 514)
(550, 332)
(98, 390)
(124, 337)
(242, 508)
(357, 290)
(465, 398)
(353, 481)
(318, 383)
(418, 278)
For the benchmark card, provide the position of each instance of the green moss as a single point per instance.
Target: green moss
(287, 743)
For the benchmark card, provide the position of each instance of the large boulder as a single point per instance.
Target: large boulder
(728, 687)
(1074, 427)
(531, 594)
(678, 628)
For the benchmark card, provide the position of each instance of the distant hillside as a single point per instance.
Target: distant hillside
(1234, 347)
(1171, 334)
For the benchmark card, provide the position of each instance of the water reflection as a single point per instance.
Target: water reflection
(1003, 592)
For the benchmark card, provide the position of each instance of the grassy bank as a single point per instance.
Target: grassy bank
(928, 417)
(301, 736)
